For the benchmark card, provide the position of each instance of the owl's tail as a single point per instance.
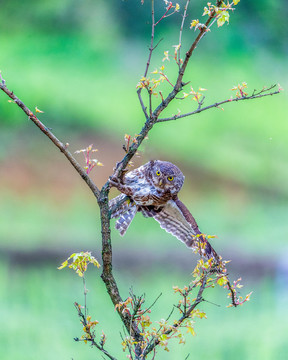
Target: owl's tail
(205, 249)
(123, 210)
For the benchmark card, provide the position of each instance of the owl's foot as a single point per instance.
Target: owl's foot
(115, 182)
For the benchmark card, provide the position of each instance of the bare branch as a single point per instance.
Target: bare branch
(217, 104)
(128, 345)
(152, 38)
(163, 105)
(150, 102)
(90, 335)
(144, 108)
(181, 30)
(151, 48)
(154, 302)
(179, 82)
(107, 274)
(201, 34)
(52, 137)
(102, 198)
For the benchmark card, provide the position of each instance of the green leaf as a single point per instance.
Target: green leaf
(63, 265)
(222, 18)
(191, 330)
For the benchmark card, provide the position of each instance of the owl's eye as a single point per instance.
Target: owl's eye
(158, 173)
(170, 178)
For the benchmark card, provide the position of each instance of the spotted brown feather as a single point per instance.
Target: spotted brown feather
(152, 189)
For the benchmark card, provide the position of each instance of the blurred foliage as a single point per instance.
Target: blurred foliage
(261, 20)
(58, 57)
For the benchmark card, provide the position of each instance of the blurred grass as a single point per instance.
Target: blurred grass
(45, 322)
(74, 224)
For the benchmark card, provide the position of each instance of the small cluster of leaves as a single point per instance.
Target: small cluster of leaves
(88, 325)
(152, 84)
(221, 14)
(219, 276)
(239, 300)
(240, 90)
(161, 332)
(89, 163)
(176, 57)
(89, 329)
(194, 95)
(128, 141)
(79, 262)
(169, 6)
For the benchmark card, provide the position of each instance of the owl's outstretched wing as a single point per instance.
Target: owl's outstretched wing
(118, 205)
(177, 220)
(123, 209)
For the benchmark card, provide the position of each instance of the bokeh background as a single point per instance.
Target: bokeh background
(79, 62)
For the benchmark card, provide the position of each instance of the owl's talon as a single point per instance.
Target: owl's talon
(114, 181)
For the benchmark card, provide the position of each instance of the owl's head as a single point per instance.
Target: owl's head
(166, 176)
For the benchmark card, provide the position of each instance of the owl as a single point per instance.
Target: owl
(152, 189)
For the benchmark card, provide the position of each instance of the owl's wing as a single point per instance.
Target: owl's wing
(177, 220)
(125, 219)
(118, 205)
(123, 209)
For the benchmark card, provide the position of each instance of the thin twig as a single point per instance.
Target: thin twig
(150, 102)
(233, 294)
(181, 31)
(85, 296)
(91, 337)
(152, 38)
(217, 104)
(185, 316)
(163, 105)
(151, 48)
(127, 344)
(171, 312)
(143, 107)
(154, 302)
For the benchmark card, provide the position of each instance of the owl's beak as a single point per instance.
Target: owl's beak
(160, 182)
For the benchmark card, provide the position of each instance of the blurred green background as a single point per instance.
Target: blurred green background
(79, 62)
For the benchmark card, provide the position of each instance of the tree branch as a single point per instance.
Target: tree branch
(91, 336)
(101, 196)
(217, 104)
(150, 121)
(181, 31)
(62, 147)
(185, 316)
(107, 275)
(149, 60)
